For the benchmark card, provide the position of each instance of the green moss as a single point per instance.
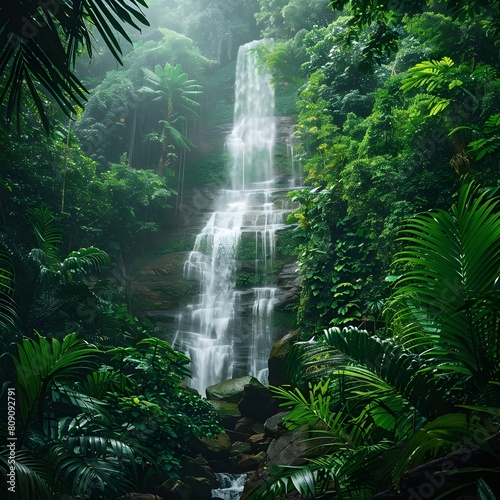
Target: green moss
(286, 246)
(179, 245)
(248, 249)
(246, 280)
(286, 318)
(208, 169)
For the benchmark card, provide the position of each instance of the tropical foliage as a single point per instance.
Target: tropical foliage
(383, 20)
(69, 438)
(41, 41)
(172, 87)
(41, 285)
(432, 380)
(397, 105)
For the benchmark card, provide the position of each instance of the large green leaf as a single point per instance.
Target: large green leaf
(455, 264)
(41, 362)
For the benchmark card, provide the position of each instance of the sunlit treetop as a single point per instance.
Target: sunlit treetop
(40, 41)
(383, 16)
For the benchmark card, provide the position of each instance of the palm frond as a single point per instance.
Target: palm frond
(33, 477)
(382, 365)
(429, 74)
(40, 362)
(8, 313)
(328, 427)
(40, 44)
(438, 437)
(85, 261)
(455, 266)
(47, 231)
(89, 462)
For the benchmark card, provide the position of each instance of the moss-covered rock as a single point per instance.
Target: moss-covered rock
(232, 390)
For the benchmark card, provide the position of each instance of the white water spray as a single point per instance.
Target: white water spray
(226, 331)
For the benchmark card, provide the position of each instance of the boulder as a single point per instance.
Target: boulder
(174, 489)
(198, 468)
(259, 442)
(216, 448)
(257, 402)
(201, 489)
(229, 465)
(258, 428)
(273, 426)
(244, 426)
(277, 359)
(227, 412)
(230, 391)
(289, 449)
(240, 448)
(247, 463)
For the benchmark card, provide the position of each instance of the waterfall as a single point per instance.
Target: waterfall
(225, 330)
(230, 486)
(252, 139)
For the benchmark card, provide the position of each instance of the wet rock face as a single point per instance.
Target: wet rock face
(277, 359)
(288, 285)
(231, 391)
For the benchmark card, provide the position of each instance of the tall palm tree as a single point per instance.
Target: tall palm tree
(171, 86)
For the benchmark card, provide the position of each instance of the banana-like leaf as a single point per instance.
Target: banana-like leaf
(178, 138)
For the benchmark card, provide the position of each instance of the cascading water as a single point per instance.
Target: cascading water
(225, 330)
(230, 486)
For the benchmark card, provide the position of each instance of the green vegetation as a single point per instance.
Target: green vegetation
(40, 43)
(381, 405)
(396, 235)
(397, 122)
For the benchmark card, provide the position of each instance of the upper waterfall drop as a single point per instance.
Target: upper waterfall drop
(252, 139)
(226, 330)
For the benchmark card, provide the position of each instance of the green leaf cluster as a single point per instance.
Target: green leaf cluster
(376, 407)
(96, 422)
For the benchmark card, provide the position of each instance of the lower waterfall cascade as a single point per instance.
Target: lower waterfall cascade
(226, 329)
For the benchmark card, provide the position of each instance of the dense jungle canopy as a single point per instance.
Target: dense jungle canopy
(104, 109)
